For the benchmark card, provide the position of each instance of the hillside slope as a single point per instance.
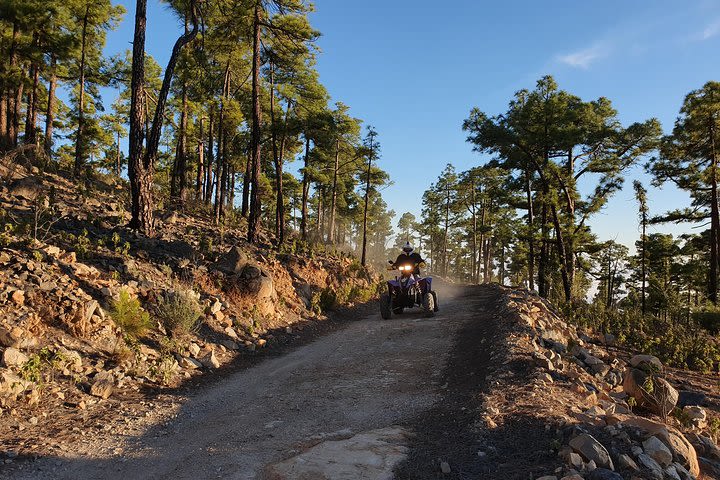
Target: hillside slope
(74, 341)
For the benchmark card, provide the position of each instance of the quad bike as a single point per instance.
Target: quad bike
(407, 291)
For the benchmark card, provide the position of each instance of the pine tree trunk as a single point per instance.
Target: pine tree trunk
(17, 102)
(305, 191)
(31, 114)
(139, 172)
(80, 136)
(254, 215)
(10, 99)
(531, 232)
(562, 254)
(246, 186)
(543, 284)
(714, 222)
(210, 157)
(333, 197)
(199, 177)
(50, 113)
(142, 199)
(118, 166)
(363, 260)
(280, 207)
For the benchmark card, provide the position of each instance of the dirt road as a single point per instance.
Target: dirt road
(371, 375)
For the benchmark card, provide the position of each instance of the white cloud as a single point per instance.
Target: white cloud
(711, 30)
(583, 58)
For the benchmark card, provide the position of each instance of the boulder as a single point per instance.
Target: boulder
(646, 362)
(234, 261)
(28, 188)
(604, 474)
(696, 415)
(592, 450)
(704, 446)
(663, 398)
(688, 398)
(209, 360)
(682, 450)
(671, 473)
(12, 357)
(658, 451)
(11, 384)
(103, 385)
(654, 468)
(625, 462)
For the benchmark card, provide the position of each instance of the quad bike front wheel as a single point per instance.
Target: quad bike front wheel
(429, 304)
(385, 307)
(436, 305)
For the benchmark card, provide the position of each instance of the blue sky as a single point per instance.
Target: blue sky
(414, 69)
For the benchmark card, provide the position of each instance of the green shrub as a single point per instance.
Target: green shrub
(179, 312)
(709, 318)
(128, 314)
(676, 341)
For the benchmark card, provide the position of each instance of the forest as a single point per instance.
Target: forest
(211, 132)
(522, 219)
(237, 126)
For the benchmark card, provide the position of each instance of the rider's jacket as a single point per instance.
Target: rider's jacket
(413, 259)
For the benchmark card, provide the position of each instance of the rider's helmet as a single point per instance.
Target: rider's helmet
(408, 248)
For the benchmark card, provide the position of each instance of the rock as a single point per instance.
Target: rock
(671, 473)
(216, 307)
(445, 467)
(609, 339)
(11, 337)
(28, 188)
(103, 385)
(592, 450)
(658, 451)
(710, 468)
(627, 463)
(604, 474)
(233, 261)
(682, 450)
(686, 398)
(661, 401)
(574, 476)
(210, 360)
(704, 446)
(544, 477)
(646, 362)
(18, 297)
(372, 455)
(682, 472)
(229, 344)
(12, 357)
(11, 384)
(590, 361)
(194, 349)
(654, 468)
(696, 415)
(190, 363)
(72, 359)
(576, 460)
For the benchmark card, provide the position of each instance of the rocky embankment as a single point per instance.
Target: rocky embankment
(613, 414)
(69, 268)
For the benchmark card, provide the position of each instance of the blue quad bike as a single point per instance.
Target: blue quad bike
(408, 291)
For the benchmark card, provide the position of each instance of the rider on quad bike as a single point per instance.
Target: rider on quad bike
(408, 257)
(408, 289)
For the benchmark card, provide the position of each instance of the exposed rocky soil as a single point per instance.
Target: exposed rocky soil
(494, 386)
